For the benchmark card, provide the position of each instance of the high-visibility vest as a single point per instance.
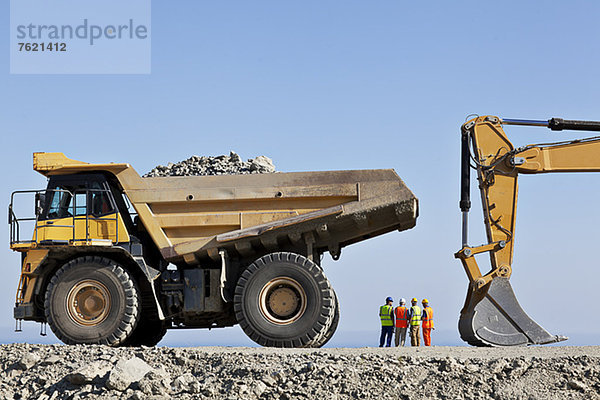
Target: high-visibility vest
(401, 314)
(384, 315)
(428, 319)
(415, 319)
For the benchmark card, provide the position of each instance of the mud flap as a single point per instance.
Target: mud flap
(493, 317)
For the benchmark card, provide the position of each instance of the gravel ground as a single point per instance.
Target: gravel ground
(98, 372)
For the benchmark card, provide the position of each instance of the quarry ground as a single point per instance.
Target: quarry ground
(99, 372)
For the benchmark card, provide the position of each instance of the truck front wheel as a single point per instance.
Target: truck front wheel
(146, 333)
(92, 300)
(284, 300)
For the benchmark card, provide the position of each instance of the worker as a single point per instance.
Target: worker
(414, 318)
(427, 319)
(386, 314)
(401, 317)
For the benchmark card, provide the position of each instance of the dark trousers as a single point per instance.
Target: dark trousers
(386, 331)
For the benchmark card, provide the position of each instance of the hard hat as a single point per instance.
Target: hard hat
(389, 299)
(403, 301)
(414, 299)
(425, 301)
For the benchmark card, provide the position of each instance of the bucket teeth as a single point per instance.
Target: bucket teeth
(495, 318)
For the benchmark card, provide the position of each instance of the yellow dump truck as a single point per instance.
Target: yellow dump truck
(118, 259)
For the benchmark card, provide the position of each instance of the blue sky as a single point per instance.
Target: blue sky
(333, 85)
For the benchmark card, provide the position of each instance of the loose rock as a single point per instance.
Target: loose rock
(155, 382)
(218, 165)
(27, 361)
(577, 385)
(126, 372)
(89, 373)
(186, 383)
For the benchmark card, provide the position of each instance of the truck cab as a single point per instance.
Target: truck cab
(81, 208)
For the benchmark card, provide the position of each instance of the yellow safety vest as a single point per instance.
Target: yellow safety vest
(384, 315)
(415, 319)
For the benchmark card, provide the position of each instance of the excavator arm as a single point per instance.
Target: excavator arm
(492, 315)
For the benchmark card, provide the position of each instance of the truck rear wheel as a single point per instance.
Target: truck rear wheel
(328, 334)
(283, 300)
(92, 300)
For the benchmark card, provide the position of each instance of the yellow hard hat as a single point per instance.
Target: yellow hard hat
(414, 299)
(425, 301)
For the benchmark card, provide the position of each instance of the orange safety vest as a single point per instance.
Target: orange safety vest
(428, 321)
(401, 313)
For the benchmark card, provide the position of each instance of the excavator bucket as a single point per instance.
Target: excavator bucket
(492, 316)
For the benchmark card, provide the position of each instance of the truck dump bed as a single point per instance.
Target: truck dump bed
(192, 218)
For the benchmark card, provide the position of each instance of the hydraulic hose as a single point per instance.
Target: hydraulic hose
(465, 183)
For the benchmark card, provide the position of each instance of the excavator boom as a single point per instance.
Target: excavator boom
(492, 315)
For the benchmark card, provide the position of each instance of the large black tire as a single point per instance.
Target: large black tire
(328, 334)
(283, 300)
(147, 333)
(150, 329)
(92, 300)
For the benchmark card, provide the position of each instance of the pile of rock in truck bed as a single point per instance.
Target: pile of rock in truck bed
(49, 372)
(214, 165)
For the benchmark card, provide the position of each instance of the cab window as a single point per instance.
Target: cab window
(100, 200)
(79, 204)
(78, 199)
(60, 204)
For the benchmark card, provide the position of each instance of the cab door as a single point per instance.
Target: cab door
(104, 222)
